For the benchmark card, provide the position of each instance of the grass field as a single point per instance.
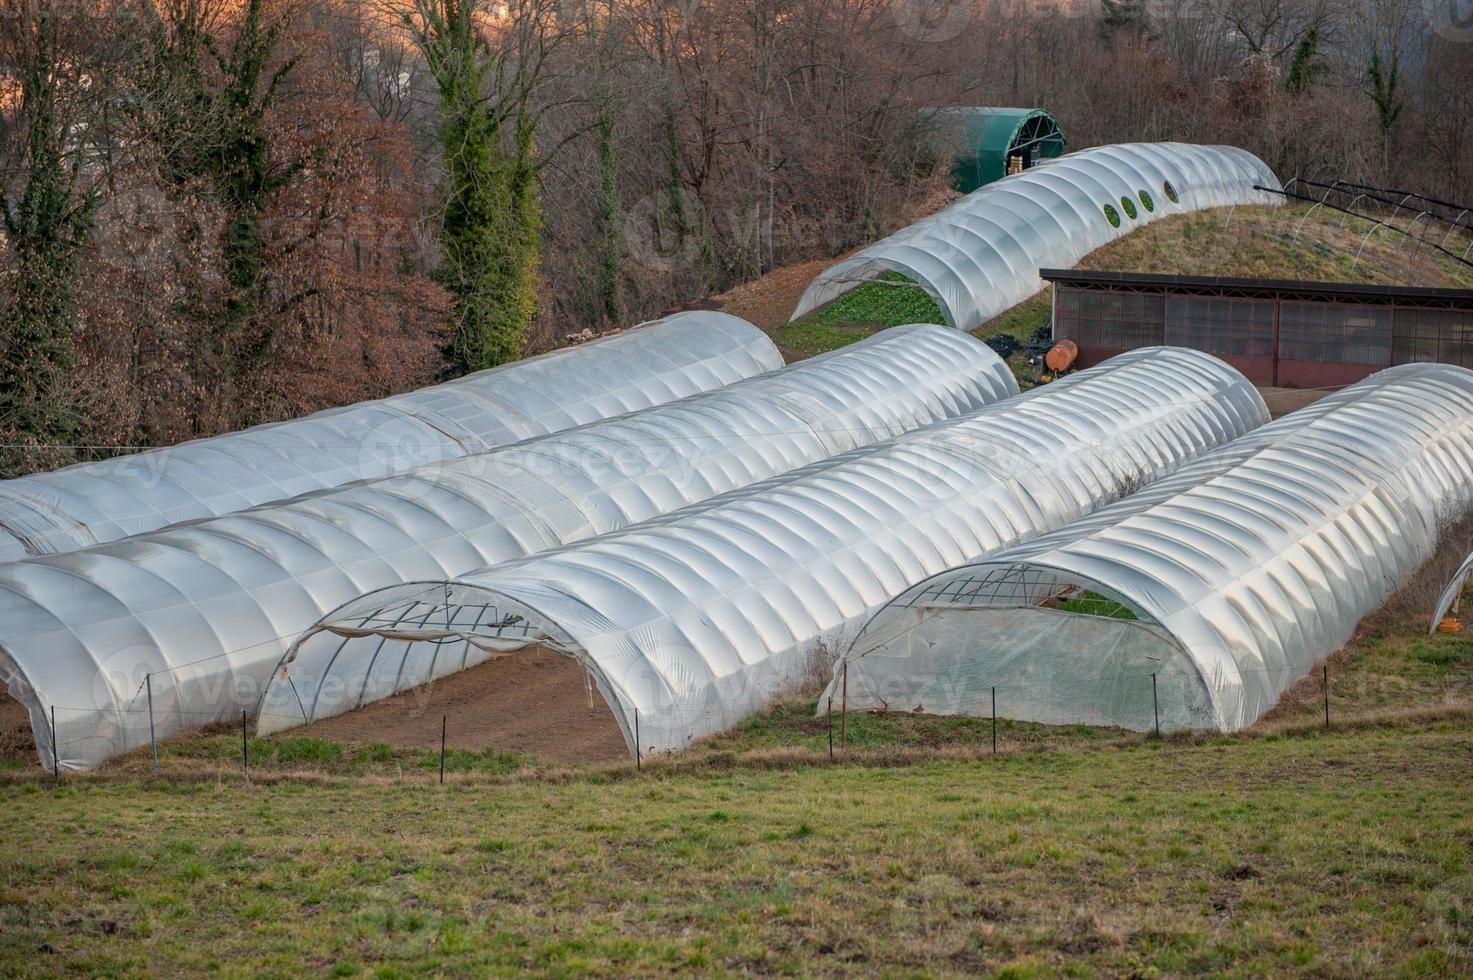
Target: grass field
(1289, 849)
(1313, 853)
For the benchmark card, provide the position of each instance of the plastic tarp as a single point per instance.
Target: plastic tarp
(981, 255)
(208, 609)
(1238, 574)
(691, 622)
(92, 503)
(1448, 602)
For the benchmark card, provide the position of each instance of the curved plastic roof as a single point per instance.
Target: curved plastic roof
(91, 503)
(1241, 571)
(211, 607)
(981, 255)
(691, 622)
(1450, 595)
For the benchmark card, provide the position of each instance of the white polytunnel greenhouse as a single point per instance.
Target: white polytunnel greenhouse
(1448, 602)
(981, 255)
(693, 621)
(184, 626)
(91, 503)
(1201, 599)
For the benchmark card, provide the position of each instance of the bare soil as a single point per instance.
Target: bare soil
(533, 701)
(1282, 401)
(767, 302)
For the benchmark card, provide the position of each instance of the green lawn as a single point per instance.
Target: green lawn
(1339, 853)
(891, 301)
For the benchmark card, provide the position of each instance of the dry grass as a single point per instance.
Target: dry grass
(1257, 242)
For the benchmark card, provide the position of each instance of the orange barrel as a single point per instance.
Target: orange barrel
(1062, 356)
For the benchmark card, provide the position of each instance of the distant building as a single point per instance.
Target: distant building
(1287, 334)
(991, 143)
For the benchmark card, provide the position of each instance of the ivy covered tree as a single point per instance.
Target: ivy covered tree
(205, 94)
(49, 207)
(1307, 64)
(491, 210)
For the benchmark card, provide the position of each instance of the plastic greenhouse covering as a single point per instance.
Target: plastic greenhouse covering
(92, 503)
(205, 611)
(693, 621)
(981, 255)
(1448, 602)
(1201, 599)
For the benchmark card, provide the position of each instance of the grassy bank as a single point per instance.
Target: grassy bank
(1338, 853)
(1261, 242)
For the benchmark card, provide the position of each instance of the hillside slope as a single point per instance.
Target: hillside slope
(1273, 243)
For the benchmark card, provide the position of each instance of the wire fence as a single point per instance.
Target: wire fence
(1150, 703)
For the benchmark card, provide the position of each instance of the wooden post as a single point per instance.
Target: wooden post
(1325, 683)
(55, 757)
(245, 747)
(1155, 706)
(994, 719)
(444, 719)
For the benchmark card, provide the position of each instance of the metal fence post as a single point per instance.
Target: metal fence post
(245, 747)
(844, 711)
(1155, 706)
(152, 738)
(1325, 683)
(638, 761)
(831, 728)
(994, 719)
(444, 720)
(55, 757)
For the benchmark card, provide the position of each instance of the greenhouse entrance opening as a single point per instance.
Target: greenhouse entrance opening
(1053, 649)
(533, 701)
(392, 669)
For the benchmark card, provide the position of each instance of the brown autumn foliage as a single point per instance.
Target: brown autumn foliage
(744, 134)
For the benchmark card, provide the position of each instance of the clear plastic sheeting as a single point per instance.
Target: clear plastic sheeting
(92, 503)
(694, 621)
(1200, 600)
(981, 255)
(210, 608)
(1448, 602)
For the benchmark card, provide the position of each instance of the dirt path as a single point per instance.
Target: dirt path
(769, 301)
(533, 701)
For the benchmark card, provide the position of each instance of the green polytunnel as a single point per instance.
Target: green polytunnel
(991, 143)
